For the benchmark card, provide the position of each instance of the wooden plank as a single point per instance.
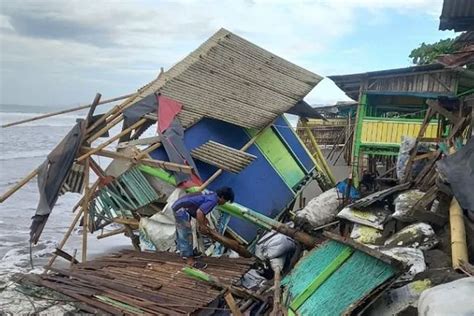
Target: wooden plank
(231, 303)
(434, 104)
(321, 278)
(361, 247)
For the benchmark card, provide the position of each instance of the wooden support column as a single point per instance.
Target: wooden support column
(85, 207)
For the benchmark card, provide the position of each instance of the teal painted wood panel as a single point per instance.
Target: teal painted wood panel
(356, 278)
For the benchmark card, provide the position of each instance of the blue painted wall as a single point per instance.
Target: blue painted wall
(292, 141)
(258, 186)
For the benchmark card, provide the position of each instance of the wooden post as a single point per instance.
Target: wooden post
(277, 291)
(78, 108)
(230, 243)
(19, 185)
(85, 207)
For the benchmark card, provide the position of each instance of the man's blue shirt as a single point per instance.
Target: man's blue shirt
(194, 201)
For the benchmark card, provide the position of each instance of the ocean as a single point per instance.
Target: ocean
(22, 149)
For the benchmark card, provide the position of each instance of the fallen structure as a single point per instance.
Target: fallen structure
(135, 283)
(219, 121)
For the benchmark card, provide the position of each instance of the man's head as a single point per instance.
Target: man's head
(225, 194)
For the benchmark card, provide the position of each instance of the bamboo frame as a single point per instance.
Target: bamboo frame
(85, 208)
(78, 108)
(106, 128)
(112, 139)
(150, 162)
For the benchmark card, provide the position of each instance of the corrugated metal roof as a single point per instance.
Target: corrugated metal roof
(233, 80)
(222, 156)
(458, 59)
(457, 15)
(350, 84)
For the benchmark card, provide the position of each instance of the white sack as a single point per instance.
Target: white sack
(321, 210)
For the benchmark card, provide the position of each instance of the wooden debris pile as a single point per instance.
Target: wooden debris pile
(142, 283)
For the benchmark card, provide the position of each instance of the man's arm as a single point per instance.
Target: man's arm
(202, 221)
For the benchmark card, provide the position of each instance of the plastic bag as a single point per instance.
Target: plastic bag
(453, 298)
(414, 258)
(419, 235)
(320, 210)
(160, 229)
(273, 245)
(395, 301)
(365, 234)
(374, 218)
(404, 203)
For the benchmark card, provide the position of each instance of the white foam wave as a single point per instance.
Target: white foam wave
(24, 154)
(59, 120)
(16, 260)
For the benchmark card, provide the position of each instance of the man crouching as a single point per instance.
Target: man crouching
(196, 205)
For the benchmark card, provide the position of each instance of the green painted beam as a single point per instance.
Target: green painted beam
(321, 278)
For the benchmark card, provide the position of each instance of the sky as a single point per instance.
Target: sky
(60, 53)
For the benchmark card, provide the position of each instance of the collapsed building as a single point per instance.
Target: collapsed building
(217, 119)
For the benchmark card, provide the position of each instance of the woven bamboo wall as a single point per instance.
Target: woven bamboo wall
(325, 132)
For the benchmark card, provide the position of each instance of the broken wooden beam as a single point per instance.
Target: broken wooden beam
(149, 162)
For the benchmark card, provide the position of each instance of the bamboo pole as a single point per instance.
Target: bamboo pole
(85, 207)
(65, 238)
(112, 139)
(229, 299)
(150, 162)
(107, 127)
(19, 185)
(113, 233)
(92, 190)
(229, 243)
(319, 155)
(78, 108)
(458, 235)
(145, 152)
(276, 291)
(118, 110)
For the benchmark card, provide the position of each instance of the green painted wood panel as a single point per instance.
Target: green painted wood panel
(279, 156)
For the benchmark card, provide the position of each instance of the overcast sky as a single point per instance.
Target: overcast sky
(63, 52)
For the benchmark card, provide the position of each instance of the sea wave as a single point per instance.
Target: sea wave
(25, 154)
(59, 120)
(18, 259)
